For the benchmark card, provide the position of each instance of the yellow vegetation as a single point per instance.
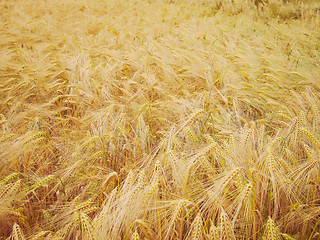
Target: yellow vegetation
(159, 119)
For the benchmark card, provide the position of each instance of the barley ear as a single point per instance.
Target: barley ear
(214, 232)
(87, 228)
(197, 228)
(315, 141)
(9, 189)
(287, 237)
(40, 235)
(291, 157)
(271, 232)
(17, 233)
(226, 231)
(316, 117)
(135, 235)
(128, 182)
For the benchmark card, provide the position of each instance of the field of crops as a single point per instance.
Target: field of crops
(160, 119)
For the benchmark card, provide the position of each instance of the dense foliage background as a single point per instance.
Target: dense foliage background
(159, 119)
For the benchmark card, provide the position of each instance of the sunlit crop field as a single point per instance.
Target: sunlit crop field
(160, 119)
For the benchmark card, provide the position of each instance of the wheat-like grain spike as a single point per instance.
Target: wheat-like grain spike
(197, 228)
(312, 138)
(192, 135)
(83, 205)
(7, 137)
(17, 233)
(111, 176)
(128, 182)
(214, 232)
(42, 182)
(89, 142)
(189, 119)
(316, 118)
(8, 178)
(310, 153)
(226, 231)
(287, 237)
(291, 157)
(271, 232)
(270, 162)
(98, 154)
(208, 138)
(157, 173)
(9, 189)
(135, 235)
(178, 207)
(141, 182)
(87, 227)
(40, 235)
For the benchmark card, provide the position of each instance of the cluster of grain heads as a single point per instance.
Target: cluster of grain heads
(126, 205)
(159, 119)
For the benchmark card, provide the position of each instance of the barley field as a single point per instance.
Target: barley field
(160, 119)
